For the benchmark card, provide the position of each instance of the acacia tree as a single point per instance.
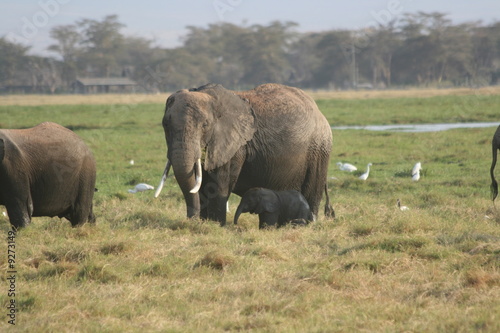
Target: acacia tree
(333, 51)
(69, 48)
(263, 51)
(13, 59)
(217, 49)
(381, 44)
(103, 42)
(486, 53)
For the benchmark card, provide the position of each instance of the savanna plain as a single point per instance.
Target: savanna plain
(145, 267)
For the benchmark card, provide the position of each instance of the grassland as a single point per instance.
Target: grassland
(145, 267)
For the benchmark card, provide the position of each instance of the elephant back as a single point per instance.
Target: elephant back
(288, 112)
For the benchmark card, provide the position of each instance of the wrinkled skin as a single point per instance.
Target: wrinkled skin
(46, 170)
(495, 145)
(272, 136)
(275, 208)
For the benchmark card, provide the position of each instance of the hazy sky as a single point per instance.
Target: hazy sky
(29, 21)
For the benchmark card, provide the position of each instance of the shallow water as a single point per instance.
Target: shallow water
(414, 128)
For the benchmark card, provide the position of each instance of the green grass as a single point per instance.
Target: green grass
(441, 109)
(145, 267)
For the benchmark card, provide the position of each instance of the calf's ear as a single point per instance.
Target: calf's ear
(266, 206)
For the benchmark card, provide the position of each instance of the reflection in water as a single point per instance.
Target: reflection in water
(417, 127)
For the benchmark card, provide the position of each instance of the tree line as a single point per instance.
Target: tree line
(418, 49)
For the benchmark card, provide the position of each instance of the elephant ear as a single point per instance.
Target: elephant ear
(268, 202)
(234, 126)
(265, 206)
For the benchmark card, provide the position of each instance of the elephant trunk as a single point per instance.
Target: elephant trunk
(187, 170)
(239, 210)
(494, 184)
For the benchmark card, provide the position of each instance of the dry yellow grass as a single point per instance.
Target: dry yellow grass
(31, 100)
(415, 93)
(145, 267)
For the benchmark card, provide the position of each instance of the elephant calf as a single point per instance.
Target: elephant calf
(46, 170)
(275, 207)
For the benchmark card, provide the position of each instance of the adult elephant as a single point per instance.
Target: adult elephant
(272, 136)
(46, 170)
(495, 145)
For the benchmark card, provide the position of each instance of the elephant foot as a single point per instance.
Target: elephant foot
(299, 222)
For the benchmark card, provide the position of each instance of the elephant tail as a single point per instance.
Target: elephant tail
(329, 211)
(495, 145)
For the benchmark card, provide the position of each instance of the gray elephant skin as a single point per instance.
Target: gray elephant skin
(495, 146)
(46, 170)
(221, 142)
(275, 208)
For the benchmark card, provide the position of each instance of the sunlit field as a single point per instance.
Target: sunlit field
(145, 267)
(131, 99)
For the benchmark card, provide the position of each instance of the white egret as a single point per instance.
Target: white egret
(416, 176)
(141, 188)
(402, 208)
(367, 173)
(346, 167)
(415, 172)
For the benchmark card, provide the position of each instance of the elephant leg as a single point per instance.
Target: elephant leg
(81, 211)
(20, 213)
(214, 192)
(298, 222)
(314, 184)
(79, 215)
(212, 202)
(267, 219)
(91, 218)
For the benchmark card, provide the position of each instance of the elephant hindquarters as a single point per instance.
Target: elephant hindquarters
(315, 181)
(81, 210)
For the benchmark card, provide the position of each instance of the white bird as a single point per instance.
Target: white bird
(141, 188)
(131, 162)
(415, 172)
(367, 173)
(402, 208)
(417, 167)
(346, 167)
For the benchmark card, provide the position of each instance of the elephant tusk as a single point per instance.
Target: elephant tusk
(163, 178)
(197, 172)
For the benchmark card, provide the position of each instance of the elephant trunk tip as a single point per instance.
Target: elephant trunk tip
(237, 214)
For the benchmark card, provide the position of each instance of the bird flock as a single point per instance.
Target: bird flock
(415, 171)
(415, 176)
(347, 167)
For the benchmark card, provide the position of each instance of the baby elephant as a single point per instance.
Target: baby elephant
(275, 207)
